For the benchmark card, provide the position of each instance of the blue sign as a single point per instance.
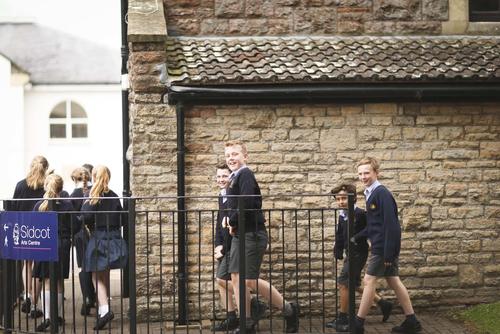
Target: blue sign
(29, 235)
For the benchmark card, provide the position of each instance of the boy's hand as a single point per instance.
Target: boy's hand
(232, 230)
(218, 252)
(225, 222)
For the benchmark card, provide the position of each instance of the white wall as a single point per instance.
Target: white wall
(11, 130)
(104, 143)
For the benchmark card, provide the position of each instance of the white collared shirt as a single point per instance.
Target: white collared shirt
(343, 212)
(223, 194)
(368, 191)
(235, 173)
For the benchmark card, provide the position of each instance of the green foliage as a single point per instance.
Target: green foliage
(485, 318)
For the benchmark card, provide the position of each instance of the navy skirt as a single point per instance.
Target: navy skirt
(41, 268)
(105, 250)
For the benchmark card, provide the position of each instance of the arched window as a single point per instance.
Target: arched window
(68, 120)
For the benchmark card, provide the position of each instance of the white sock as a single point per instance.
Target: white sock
(60, 303)
(46, 304)
(103, 309)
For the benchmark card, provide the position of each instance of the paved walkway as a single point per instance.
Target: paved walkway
(431, 323)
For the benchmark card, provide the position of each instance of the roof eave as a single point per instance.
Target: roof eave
(335, 93)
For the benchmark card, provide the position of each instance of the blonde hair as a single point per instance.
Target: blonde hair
(101, 176)
(36, 175)
(370, 161)
(53, 186)
(81, 174)
(237, 142)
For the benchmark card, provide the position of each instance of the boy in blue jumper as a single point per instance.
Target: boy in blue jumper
(384, 233)
(358, 257)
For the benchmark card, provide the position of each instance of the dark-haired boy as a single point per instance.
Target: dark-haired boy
(384, 232)
(358, 256)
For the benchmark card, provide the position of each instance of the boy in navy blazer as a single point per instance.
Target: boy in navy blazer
(242, 182)
(384, 233)
(358, 256)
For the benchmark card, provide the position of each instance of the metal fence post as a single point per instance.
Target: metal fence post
(9, 294)
(132, 267)
(350, 248)
(242, 262)
(54, 323)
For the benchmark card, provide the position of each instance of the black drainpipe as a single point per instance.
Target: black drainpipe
(125, 128)
(181, 209)
(125, 110)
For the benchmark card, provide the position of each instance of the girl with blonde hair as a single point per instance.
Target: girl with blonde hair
(29, 187)
(66, 228)
(103, 215)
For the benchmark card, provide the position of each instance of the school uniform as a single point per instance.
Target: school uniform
(66, 228)
(23, 191)
(82, 237)
(80, 241)
(383, 230)
(243, 182)
(106, 248)
(222, 238)
(359, 250)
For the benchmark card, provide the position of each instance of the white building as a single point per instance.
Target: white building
(60, 97)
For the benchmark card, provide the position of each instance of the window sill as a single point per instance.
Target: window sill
(488, 28)
(69, 141)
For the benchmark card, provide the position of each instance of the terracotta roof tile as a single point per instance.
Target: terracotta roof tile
(202, 61)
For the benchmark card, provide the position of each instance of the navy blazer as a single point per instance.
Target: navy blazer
(24, 191)
(67, 224)
(383, 228)
(95, 219)
(341, 237)
(244, 183)
(222, 235)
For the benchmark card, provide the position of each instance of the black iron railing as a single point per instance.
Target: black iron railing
(171, 269)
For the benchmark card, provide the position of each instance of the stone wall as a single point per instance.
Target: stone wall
(304, 17)
(440, 160)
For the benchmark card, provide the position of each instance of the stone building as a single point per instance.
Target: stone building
(313, 86)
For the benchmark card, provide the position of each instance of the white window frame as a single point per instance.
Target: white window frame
(68, 121)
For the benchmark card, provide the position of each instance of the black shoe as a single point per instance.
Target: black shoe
(386, 308)
(36, 313)
(359, 327)
(408, 327)
(227, 324)
(250, 327)
(26, 305)
(103, 321)
(340, 325)
(359, 330)
(42, 327)
(85, 310)
(292, 321)
(257, 309)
